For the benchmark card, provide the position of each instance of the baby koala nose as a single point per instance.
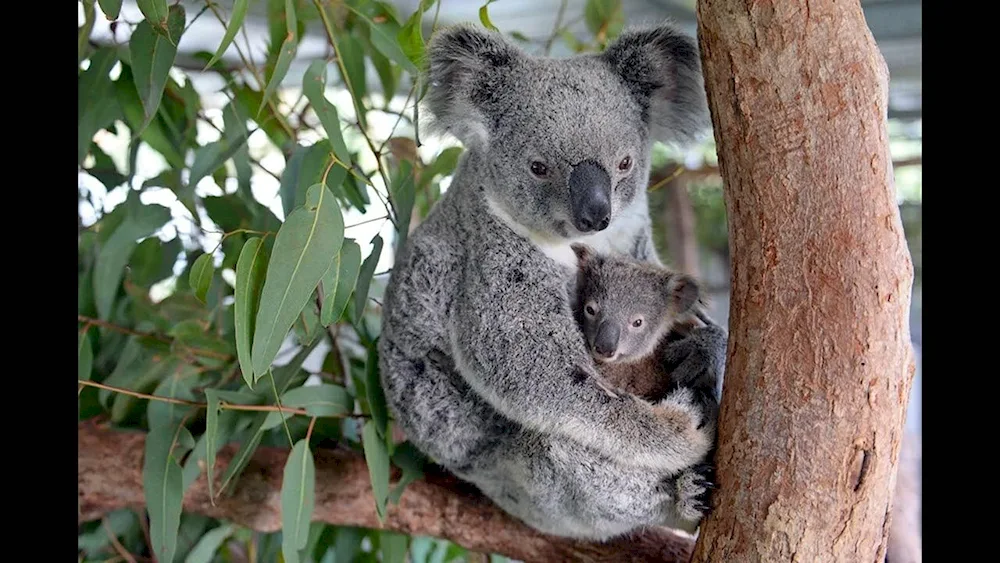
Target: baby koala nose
(606, 341)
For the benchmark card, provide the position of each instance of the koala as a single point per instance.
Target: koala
(480, 355)
(629, 312)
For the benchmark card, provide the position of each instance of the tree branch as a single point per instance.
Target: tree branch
(110, 478)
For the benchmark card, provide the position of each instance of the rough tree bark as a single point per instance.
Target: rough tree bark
(109, 468)
(820, 364)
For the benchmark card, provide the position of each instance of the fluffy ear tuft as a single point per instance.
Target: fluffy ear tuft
(683, 292)
(661, 67)
(466, 69)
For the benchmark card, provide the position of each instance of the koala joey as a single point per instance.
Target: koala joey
(629, 312)
(480, 356)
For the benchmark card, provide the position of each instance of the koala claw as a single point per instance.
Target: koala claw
(694, 492)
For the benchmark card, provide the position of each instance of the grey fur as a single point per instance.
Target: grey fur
(481, 359)
(629, 312)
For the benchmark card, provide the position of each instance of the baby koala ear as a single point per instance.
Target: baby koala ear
(682, 291)
(584, 253)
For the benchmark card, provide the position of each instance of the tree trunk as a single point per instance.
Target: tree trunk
(682, 238)
(820, 364)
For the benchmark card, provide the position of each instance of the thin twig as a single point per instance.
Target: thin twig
(119, 548)
(121, 329)
(556, 28)
(195, 404)
(661, 183)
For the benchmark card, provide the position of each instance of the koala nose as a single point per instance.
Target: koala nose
(606, 341)
(590, 196)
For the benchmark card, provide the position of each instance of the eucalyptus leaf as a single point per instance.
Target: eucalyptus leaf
(235, 22)
(394, 547)
(154, 10)
(250, 271)
(605, 18)
(484, 16)
(303, 250)
(377, 458)
(285, 56)
(314, 86)
(339, 281)
(140, 221)
(320, 400)
(152, 55)
(365, 277)
(298, 498)
(201, 275)
(403, 195)
(111, 8)
(376, 395)
(204, 551)
(383, 37)
(163, 487)
(97, 106)
(85, 357)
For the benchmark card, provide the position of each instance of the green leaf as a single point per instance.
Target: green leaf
(403, 194)
(484, 16)
(443, 165)
(213, 155)
(306, 325)
(96, 103)
(365, 277)
(204, 550)
(85, 357)
(177, 381)
(235, 22)
(375, 393)
(394, 547)
(154, 134)
(387, 72)
(314, 87)
(290, 178)
(247, 100)
(284, 376)
(154, 10)
(211, 435)
(339, 282)
(140, 221)
(411, 37)
(229, 424)
(201, 275)
(604, 18)
(285, 56)
(303, 250)
(298, 498)
(111, 8)
(408, 458)
(520, 37)
(153, 260)
(163, 487)
(250, 272)
(152, 55)
(320, 400)
(383, 38)
(377, 458)
(353, 56)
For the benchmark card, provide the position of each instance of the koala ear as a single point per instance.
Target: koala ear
(466, 69)
(661, 67)
(682, 291)
(584, 253)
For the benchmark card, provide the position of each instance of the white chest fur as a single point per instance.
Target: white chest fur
(618, 238)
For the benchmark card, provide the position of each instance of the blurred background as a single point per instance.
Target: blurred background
(686, 197)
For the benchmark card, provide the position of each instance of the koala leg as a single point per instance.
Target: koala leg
(561, 487)
(435, 408)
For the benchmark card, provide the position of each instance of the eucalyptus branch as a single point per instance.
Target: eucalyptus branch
(222, 404)
(556, 28)
(164, 339)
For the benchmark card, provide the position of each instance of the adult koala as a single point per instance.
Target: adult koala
(483, 365)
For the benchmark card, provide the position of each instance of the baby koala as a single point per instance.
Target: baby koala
(628, 312)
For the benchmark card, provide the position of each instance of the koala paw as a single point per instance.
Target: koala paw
(693, 489)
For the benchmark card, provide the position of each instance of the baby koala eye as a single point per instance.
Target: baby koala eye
(590, 310)
(539, 169)
(637, 323)
(625, 164)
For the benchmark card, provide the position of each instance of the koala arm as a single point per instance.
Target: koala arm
(515, 342)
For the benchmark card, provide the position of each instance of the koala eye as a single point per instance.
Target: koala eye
(539, 169)
(637, 323)
(625, 164)
(589, 309)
